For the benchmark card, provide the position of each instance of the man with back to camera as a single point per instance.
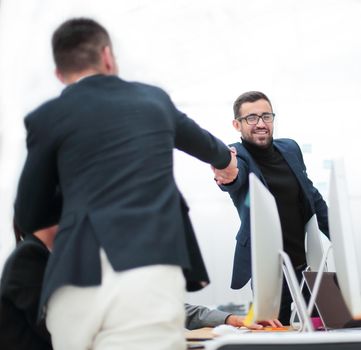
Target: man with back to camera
(114, 279)
(279, 164)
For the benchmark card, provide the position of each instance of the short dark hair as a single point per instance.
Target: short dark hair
(77, 44)
(250, 96)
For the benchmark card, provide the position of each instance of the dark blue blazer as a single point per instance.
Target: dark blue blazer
(107, 144)
(238, 191)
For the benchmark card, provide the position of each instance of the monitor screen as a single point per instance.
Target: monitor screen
(345, 240)
(266, 245)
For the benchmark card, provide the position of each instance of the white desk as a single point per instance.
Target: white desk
(335, 340)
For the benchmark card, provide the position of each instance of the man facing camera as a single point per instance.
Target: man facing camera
(279, 164)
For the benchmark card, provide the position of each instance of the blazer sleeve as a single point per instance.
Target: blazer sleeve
(38, 201)
(200, 316)
(198, 142)
(24, 285)
(240, 180)
(243, 172)
(321, 209)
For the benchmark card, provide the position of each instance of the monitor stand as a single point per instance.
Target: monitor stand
(294, 287)
(300, 307)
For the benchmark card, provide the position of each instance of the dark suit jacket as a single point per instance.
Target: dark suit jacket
(239, 190)
(108, 145)
(19, 298)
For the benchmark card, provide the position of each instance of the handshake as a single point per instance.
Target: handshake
(228, 174)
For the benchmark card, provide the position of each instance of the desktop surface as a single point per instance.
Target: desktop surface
(200, 338)
(289, 341)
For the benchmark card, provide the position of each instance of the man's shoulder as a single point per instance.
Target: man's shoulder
(286, 143)
(238, 146)
(44, 110)
(289, 146)
(110, 82)
(149, 89)
(241, 151)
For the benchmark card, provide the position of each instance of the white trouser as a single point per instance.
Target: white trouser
(138, 309)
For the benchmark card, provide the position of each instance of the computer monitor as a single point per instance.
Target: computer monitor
(315, 249)
(266, 245)
(269, 261)
(345, 240)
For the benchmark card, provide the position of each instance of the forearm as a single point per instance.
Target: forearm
(201, 316)
(198, 142)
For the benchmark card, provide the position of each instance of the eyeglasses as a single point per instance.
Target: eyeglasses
(253, 119)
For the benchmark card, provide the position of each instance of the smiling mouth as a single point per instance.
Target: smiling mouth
(261, 132)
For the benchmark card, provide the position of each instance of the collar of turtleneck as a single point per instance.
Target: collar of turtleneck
(259, 152)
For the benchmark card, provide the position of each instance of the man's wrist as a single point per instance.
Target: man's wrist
(234, 320)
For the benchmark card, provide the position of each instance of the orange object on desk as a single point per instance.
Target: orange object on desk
(275, 329)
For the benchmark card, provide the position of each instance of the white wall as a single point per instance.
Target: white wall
(304, 54)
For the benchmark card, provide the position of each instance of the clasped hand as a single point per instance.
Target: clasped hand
(228, 174)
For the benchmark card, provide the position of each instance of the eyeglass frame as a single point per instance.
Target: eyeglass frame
(259, 117)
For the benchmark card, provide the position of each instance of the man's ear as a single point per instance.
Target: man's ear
(236, 124)
(108, 60)
(59, 75)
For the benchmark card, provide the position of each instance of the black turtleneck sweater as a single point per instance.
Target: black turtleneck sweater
(291, 204)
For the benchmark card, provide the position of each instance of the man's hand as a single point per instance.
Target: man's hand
(229, 174)
(237, 321)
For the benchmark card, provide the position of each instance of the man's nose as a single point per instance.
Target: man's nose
(260, 122)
